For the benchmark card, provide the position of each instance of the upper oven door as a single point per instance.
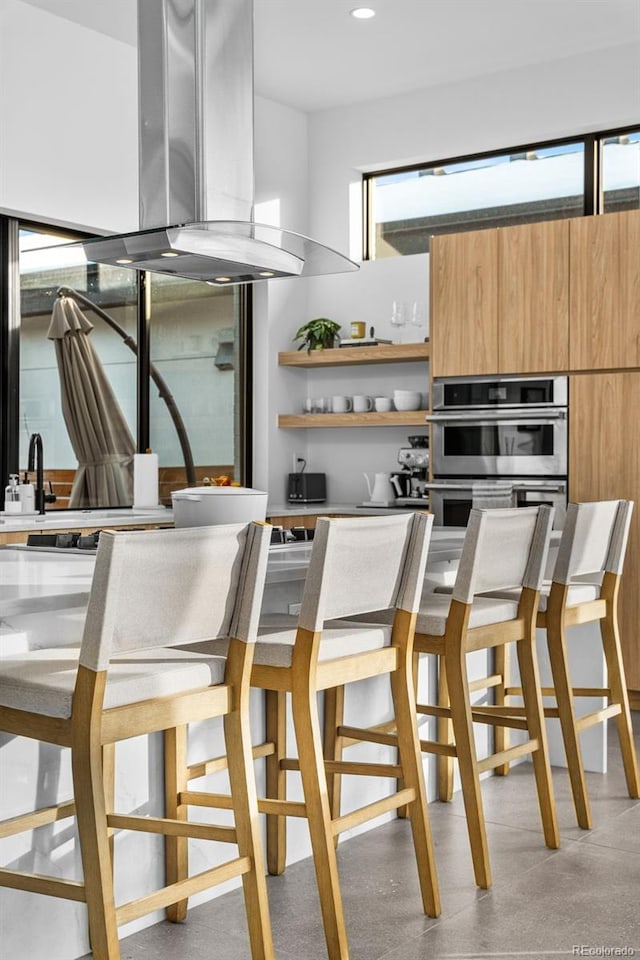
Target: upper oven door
(527, 444)
(499, 393)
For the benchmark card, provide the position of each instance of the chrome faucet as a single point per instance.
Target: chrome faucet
(36, 462)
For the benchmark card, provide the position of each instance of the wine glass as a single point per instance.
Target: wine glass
(398, 319)
(419, 315)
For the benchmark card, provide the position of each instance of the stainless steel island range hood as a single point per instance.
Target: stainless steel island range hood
(195, 65)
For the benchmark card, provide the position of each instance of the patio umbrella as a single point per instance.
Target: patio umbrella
(97, 429)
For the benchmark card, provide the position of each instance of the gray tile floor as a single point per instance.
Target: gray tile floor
(571, 902)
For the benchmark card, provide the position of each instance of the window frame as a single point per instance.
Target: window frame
(593, 181)
(10, 328)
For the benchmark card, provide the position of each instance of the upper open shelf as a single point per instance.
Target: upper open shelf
(337, 356)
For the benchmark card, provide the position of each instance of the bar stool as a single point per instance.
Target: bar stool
(503, 547)
(356, 564)
(149, 589)
(584, 589)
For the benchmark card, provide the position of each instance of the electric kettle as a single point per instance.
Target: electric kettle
(381, 490)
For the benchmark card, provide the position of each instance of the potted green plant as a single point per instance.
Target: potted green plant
(317, 334)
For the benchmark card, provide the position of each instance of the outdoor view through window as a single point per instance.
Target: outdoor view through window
(78, 376)
(545, 183)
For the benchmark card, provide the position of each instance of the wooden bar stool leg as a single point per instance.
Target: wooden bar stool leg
(333, 718)
(91, 817)
(109, 780)
(410, 758)
(237, 736)
(312, 771)
(537, 731)
(276, 778)
(466, 752)
(445, 735)
(617, 685)
(559, 662)
(501, 734)
(176, 849)
(403, 812)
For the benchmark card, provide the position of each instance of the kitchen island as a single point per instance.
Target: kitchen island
(43, 596)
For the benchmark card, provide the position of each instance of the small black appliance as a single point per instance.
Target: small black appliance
(307, 487)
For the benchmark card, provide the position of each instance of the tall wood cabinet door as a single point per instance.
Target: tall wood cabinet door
(533, 298)
(604, 292)
(464, 315)
(604, 464)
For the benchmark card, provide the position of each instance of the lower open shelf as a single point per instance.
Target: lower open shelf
(395, 418)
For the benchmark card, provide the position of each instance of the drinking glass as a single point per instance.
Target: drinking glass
(398, 319)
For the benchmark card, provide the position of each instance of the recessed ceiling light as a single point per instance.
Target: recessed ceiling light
(169, 253)
(362, 13)
(222, 279)
(124, 260)
(265, 273)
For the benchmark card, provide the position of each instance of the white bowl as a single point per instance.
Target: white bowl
(407, 403)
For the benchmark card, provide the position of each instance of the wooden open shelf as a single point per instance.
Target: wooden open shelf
(337, 356)
(395, 418)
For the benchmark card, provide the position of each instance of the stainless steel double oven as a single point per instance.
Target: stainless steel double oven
(498, 441)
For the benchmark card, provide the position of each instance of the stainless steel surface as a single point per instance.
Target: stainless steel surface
(196, 155)
(451, 500)
(500, 427)
(195, 66)
(502, 392)
(473, 414)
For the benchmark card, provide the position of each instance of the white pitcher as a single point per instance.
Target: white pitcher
(381, 491)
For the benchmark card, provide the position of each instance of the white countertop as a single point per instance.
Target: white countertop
(347, 509)
(45, 582)
(81, 519)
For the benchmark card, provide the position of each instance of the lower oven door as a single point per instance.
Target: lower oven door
(527, 443)
(452, 500)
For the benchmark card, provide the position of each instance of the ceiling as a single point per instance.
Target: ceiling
(312, 55)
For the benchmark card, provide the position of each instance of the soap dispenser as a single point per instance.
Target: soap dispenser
(12, 502)
(27, 495)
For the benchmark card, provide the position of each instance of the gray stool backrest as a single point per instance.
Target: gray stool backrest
(503, 549)
(157, 587)
(594, 539)
(365, 564)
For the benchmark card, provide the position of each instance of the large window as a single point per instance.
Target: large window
(157, 364)
(404, 207)
(621, 172)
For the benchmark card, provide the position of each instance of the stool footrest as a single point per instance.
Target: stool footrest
(38, 883)
(173, 828)
(216, 764)
(371, 810)
(182, 890)
(37, 818)
(506, 756)
(590, 719)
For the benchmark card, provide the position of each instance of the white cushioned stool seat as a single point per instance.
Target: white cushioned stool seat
(43, 681)
(434, 610)
(340, 638)
(577, 593)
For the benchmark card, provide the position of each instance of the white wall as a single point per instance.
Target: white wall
(571, 96)
(68, 122)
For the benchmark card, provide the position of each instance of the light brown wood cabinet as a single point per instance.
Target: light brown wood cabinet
(533, 297)
(500, 300)
(605, 291)
(546, 297)
(604, 464)
(463, 293)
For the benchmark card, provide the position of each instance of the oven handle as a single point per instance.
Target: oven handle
(517, 487)
(501, 416)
